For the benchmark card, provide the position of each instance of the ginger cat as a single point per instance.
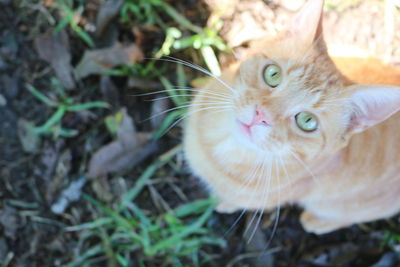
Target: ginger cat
(287, 125)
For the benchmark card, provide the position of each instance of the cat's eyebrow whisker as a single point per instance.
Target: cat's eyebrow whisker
(188, 64)
(304, 166)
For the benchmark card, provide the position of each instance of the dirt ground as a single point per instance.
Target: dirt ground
(34, 178)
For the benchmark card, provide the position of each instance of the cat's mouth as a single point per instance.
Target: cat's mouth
(245, 128)
(248, 130)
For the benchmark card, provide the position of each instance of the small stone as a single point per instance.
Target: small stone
(3, 101)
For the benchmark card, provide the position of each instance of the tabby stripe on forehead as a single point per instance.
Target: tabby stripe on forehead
(296, 68)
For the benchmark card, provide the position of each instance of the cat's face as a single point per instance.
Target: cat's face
(289, 105)
(289, 100)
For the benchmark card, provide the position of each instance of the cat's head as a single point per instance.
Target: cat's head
(290, 98)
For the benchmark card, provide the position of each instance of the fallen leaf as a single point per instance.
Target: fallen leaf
(109, 91)
(30, 141)
(108, 11)
(54, 49)
(100, 60)
(257, 242)
(9, 221)
(120, 154)
(158, 110)
(59, 173)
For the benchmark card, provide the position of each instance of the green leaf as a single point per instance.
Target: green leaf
(211, 60)
(41, 96)
(169, 120)
(88, 105)
(84, 36)
(55, 118)
(195, 207)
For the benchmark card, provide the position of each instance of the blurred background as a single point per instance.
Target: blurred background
(91, 110)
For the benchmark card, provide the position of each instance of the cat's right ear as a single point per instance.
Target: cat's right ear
(371, 104)
(306, 26)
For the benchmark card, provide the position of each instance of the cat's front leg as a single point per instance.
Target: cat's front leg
(314, 224)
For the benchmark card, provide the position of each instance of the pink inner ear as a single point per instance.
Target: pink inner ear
(373, 105)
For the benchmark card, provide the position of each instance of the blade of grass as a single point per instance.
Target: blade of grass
(88, 105)
(55, 118)
(90, 225)
(211, 60)
(184, 22)
(108, 248)
(41, 96)
(195, 207)
(167, 122)
(127, 225)
(88, 254)
(176, 238)
(172, 92)
(147, 174)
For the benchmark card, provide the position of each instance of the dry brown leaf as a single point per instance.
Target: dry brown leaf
(119, 154)
(109, 91)
(158, 110)
(100, 60)
(108, 11)
(54, 49)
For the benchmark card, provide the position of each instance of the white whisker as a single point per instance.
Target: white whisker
(213, 104)
(188, 64)
(304, 165)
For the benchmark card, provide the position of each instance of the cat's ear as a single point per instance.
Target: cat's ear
(372, 104)
(306, 26)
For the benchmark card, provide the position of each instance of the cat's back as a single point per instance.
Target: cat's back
(383, 142)
(368, 70)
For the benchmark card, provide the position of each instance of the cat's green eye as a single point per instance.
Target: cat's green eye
(306, 121)
(272, 75)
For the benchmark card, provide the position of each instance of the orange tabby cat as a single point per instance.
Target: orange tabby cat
(287, 126)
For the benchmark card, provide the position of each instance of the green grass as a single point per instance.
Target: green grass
(69, 16)
(123, 233)
(131, 236)
(62, 105)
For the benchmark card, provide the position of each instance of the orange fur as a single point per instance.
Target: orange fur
(345, 172)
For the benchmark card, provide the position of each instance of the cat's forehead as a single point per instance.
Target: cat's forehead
(308, 82)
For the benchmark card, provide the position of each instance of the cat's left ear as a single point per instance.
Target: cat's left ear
(306, 26)
(372, 104)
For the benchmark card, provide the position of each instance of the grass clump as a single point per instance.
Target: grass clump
(131, 236)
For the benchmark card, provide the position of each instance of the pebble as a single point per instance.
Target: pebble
(3, 101)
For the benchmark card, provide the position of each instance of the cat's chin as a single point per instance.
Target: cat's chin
(253, 137)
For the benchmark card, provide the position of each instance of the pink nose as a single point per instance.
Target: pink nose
(261, 117)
